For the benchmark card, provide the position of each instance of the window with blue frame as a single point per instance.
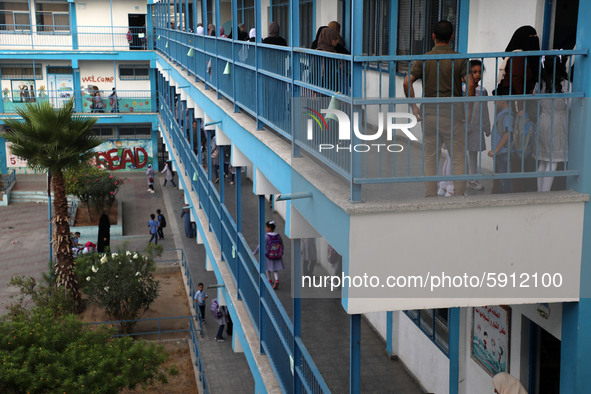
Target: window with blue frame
(376, 27)
(434, 323)
(14, 16)
(134, 72)
(416, 19)
(278, 11)
(246, 13)
(21, 71)
(52, 17)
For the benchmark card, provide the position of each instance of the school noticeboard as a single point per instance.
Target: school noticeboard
(127, 155)
(491, 338)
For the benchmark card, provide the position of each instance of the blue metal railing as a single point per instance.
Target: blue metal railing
(93, 101)
(264, 80)
(61, 37)
(159, 331)
(278, 338)
(8, 179)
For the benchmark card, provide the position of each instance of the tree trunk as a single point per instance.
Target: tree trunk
(64, 265)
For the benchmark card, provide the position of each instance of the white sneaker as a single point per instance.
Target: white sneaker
(152, 191)
(441, 192)
(449, 194)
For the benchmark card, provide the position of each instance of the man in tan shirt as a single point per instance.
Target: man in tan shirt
(441, 122)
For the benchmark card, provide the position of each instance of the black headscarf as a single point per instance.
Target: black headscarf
(524, 38)
(315, 42)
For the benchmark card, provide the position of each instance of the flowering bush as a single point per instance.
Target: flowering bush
(93, 186)
(121, 283)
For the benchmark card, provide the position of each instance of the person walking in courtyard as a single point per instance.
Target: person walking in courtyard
(150, 175)
(161, 223)
(167, 171)
(189, 230)
(200, 297)
(273, 253)
(104, 234)
(153, 224)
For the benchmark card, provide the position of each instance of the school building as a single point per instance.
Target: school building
(458, 289)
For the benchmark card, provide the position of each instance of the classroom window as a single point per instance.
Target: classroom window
(21, 71)
(416, 19)
(14, 16)
(246, 14)
(53, 17)
(434, 323)
(134, 72)
(104, 133)
(140, 132)
(376, 27)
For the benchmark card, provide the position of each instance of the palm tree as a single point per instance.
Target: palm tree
(55, 140)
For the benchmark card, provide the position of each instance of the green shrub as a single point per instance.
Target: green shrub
(120, 283)
(43, 353)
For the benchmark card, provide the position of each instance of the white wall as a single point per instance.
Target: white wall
(416, 243)
(426, 362)
(98, 13)
(106, 77)
(379, 321)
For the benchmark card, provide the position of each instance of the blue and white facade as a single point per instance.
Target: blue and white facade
(368, 206)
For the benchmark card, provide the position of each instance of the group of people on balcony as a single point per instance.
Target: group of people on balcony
(523, 133)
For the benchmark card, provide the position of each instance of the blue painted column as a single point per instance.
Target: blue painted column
(77, 86)
(150, 25)
(356, 91)
(3, 166)
(153, 73)
(389, 330)
(194, 8)
(208, 153)
(262, 287)
(258, 40)
(547, 24)
(297, 309)
(73, 23)
(190, 119)
(575, 350)
(176, 22)
(454, 349)
(238, 223)
(204, 16)
(463, 22)
(2, 105)
(294, 26)
(186, 16)
(221, 174)
(355, 354)
(392, 48)
(155, 134)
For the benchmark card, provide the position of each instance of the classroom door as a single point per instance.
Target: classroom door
(60, 88)
(137, 27)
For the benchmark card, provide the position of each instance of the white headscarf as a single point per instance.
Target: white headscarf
(252, 33)
(200, 30)
(507, 384)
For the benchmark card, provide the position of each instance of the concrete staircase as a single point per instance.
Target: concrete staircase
(28, 196)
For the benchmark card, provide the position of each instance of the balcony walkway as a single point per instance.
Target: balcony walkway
(325, 325)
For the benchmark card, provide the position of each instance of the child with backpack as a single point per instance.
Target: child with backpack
(273, 253)
(501, 129)
(219, 314)
(162, 221)
(552, 121)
